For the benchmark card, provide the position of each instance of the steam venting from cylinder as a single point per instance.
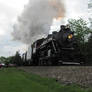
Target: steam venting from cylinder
(36, 19)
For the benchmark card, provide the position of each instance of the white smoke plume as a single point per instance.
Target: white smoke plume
(36, 19)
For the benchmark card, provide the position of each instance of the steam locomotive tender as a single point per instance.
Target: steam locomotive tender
(57, 48)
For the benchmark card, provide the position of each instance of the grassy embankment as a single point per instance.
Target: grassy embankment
(13, 80)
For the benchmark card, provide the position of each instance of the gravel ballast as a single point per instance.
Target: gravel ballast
(81, 75)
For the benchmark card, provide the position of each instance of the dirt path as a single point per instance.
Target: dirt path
(81, 75)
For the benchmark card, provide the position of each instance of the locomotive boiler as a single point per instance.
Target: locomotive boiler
(55, 49)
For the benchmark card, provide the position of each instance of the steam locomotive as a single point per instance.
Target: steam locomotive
(56, 49)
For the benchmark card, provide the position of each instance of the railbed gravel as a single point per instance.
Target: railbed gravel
(81, 75)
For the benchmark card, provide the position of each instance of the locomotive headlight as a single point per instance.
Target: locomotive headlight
(70, 36)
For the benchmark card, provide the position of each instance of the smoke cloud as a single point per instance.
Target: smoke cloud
(36, 19)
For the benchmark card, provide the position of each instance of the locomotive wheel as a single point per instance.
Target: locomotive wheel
(40, 62)
(60, 62)
(49, 63)
(54, 62)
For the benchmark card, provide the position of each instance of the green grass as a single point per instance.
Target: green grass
(14, 80)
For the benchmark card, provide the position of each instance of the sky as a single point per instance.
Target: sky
(11, 9)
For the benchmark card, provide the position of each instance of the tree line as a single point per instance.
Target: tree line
(16, 59)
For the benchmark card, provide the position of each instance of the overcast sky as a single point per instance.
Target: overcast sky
(11, 9)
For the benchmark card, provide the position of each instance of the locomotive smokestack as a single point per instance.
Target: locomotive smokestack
(36, 19)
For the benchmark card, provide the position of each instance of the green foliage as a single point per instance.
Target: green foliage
(12, 59)
(90, 19)
(17, 59)
(3, 59)
(9, 60)
(6, 60)
(13, 80)
(81, 29)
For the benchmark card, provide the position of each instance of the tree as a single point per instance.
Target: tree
(89, 50)
(81, 29)
(82, 32)
(2, 59)
(90, 19)
(10, 60)
(17, 59)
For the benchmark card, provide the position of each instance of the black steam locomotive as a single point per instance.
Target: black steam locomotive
(58, 48)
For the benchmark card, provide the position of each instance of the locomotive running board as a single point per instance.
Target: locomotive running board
(72, 63)
(67, 48)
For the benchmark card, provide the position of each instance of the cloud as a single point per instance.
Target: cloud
(10, 47)
(2, 32)
(76, 8)
(15, 4)
(8, 14)
(21, 48)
